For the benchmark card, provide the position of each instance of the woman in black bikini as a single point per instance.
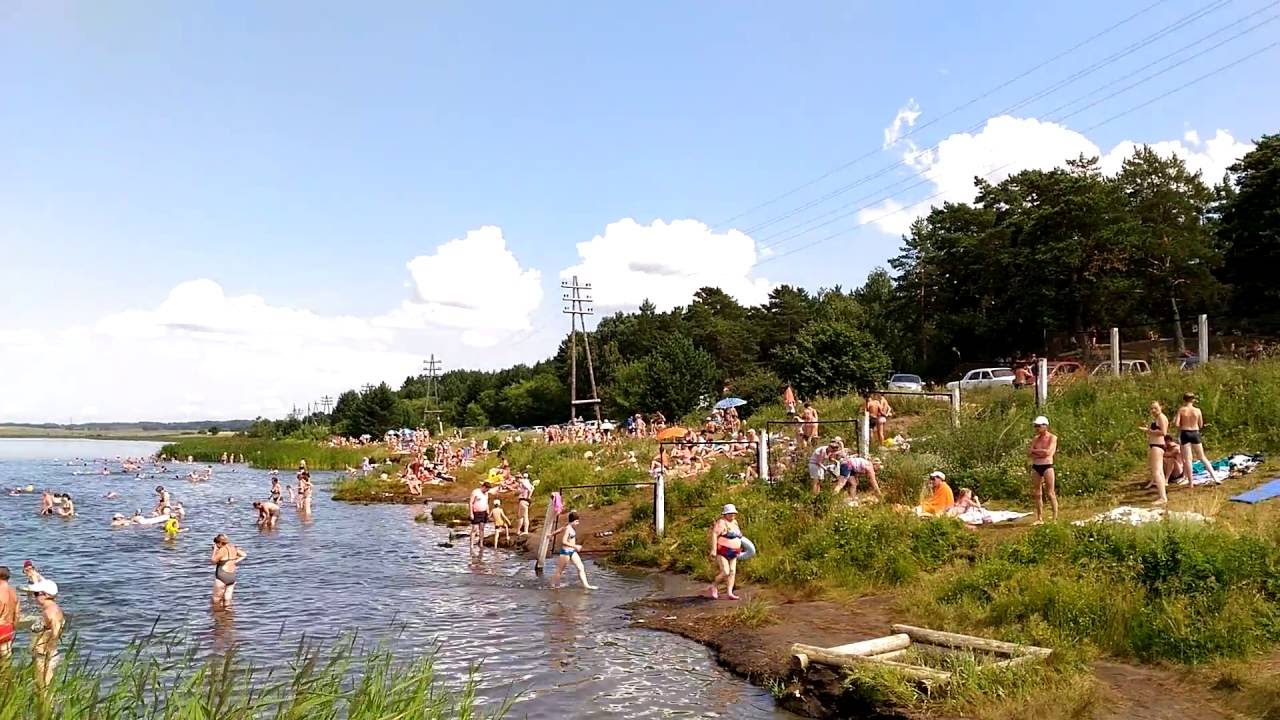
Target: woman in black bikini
(225, 558)
(1156, 431)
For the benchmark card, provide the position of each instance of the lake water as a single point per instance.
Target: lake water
(366, 568)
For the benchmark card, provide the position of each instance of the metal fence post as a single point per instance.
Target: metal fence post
(660, 504)
(1204, 339)
(955, 406)
(1042, 382)
(1115, 352)
(763, 455)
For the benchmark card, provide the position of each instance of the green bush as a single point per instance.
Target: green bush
(446, 513)
(1169, 591)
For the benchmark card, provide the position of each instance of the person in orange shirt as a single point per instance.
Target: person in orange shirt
(941, 499)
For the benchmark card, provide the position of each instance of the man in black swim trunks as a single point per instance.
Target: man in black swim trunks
(1043, 447)
(480, 512)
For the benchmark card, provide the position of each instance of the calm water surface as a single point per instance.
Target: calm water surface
(351, 567)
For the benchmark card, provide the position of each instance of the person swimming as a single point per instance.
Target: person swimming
(172, 527)
(119, 520)
(68, 508)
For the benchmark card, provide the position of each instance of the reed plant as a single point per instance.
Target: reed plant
(159, 679)
(270, 453)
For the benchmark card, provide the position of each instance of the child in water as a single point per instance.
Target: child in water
(501, 523)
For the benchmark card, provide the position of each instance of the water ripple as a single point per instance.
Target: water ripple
(353, 568)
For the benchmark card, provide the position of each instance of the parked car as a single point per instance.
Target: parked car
(539, 428)
(906, 382)
(506, 428)
(1065, 371)
(983, 377)
(1127, 367)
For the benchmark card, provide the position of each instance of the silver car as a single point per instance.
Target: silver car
(905, 382)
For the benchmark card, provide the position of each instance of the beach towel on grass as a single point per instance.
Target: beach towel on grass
(978, 516)
(1265, 491)
(1202, 478)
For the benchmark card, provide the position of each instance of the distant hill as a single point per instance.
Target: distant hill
(143, 426)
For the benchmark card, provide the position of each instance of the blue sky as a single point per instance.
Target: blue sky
(303, 153)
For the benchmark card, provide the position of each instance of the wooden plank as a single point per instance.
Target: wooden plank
(969, 642)
(874, 646)
(807, 654)
(545, 543)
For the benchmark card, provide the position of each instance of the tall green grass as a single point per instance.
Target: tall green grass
(168, 682)
(805, 543)
(1096, 420)
(1168, 591)
(269, 453)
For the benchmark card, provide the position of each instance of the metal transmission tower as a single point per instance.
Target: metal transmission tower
(431, 368)
(578, 308)
(326, 402)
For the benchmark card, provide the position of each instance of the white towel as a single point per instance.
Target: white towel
(979, 516)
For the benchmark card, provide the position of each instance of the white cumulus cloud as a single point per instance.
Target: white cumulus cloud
(201, 353)
(666, 263)
(1007, 145)
(474, 284)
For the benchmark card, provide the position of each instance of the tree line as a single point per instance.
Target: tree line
(1066, 253)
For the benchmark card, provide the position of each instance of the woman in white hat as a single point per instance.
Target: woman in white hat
(45, 631)
(726, 547)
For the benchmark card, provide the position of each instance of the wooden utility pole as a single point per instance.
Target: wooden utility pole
(578, 307)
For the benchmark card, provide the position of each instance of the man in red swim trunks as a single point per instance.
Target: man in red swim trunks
(8, 614)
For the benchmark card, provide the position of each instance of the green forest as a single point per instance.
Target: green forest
(1039, 262)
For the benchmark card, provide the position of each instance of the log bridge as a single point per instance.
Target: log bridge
(888, 651)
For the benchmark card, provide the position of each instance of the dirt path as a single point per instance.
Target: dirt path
(1144, 692)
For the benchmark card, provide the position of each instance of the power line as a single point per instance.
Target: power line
(1117, 116)
(950, 112)
(779, 239)
(1148, 40)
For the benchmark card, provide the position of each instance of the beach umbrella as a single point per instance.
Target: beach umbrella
(727, 403)
(672, 433)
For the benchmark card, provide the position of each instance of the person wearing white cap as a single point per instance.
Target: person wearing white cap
(726, 548)
(45, 631)
(1043, 447)
(941, 497)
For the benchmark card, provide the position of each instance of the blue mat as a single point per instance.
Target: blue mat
(1265, 491)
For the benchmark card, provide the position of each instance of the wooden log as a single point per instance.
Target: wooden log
(969, 642)
(874, 646)
(892, 655)
(807, 654)
(1014, 662)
